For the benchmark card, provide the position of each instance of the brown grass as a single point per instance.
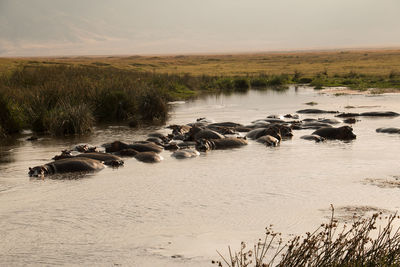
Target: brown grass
(370, 62)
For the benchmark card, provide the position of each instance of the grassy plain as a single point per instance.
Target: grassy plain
(368, 62)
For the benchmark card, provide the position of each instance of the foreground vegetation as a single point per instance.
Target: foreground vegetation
(69, 95)
(363, 243)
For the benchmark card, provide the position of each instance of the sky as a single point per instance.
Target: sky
(133, 27)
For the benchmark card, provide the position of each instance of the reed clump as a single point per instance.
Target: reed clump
(66, 99)
(363, 243)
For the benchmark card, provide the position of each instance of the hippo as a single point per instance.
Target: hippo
(313, 137)
(179, 129)
(84, 148)
(185, 153)
(269, 140)
(155, 140)
(138, 146)
(380, 114)
(315, 111)
(222, 129)
(76, 164)
(229, 142)
(106, 158)
(291, 116)
(348, 115)
(274, 120)
(243, 129)
(275, 130)
(390, 130)
(340, 133)
(314, 125)
(226, 124)
(350, 120)
(148, 157)
(196, 133)
(164, 138)
(329, 121)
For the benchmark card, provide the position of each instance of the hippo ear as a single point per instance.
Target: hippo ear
(30, 169)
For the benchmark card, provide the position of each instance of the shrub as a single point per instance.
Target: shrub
(225, 84)
(112, 105)
(360, 244)
(241, 84)
(276, 81)
(69, 119)
(11, 115)
(153, 106)
(305, 80)
(259, 82)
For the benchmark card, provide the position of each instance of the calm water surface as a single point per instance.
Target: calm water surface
(178, 212)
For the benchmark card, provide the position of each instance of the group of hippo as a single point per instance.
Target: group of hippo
(186, 141)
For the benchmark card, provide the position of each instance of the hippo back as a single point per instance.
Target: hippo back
(74, 165)
(341, 133)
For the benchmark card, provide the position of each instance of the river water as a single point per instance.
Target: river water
(178, 212)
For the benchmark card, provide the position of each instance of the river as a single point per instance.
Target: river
(178, 212)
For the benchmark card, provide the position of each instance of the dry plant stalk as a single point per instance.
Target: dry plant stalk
(362, 243)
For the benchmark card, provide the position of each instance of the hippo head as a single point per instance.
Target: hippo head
(38, 171)
(286, 132)
(204, 145)
(114, 163)
(115, 146)
(64, 154)
(346, 133)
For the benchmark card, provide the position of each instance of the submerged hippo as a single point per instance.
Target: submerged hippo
(146, 156)
(340, 133)
(313, 137)
(314, 125)
(380, 114)
(315, 111)
(229, 142)
(185, 153)
(197, 133)
(66, 165)
(106, 158)
(269, 140)
(275, 130)
(117, 146)
(390, 130)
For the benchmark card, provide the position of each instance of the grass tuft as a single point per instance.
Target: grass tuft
(69, 120)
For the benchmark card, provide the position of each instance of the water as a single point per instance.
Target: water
(178, 212)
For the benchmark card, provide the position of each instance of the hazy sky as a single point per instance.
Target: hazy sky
(98, 27)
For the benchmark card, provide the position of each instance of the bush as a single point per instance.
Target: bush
(11, 115)
(305, 80)
(225, 84)
(113, 106)
(67, 119)
(241, 84)
(360, 244)
(276, 81)
(152, 106)
(259, 82)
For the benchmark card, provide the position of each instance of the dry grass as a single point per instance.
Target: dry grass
(373, 241)
(370, 62)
